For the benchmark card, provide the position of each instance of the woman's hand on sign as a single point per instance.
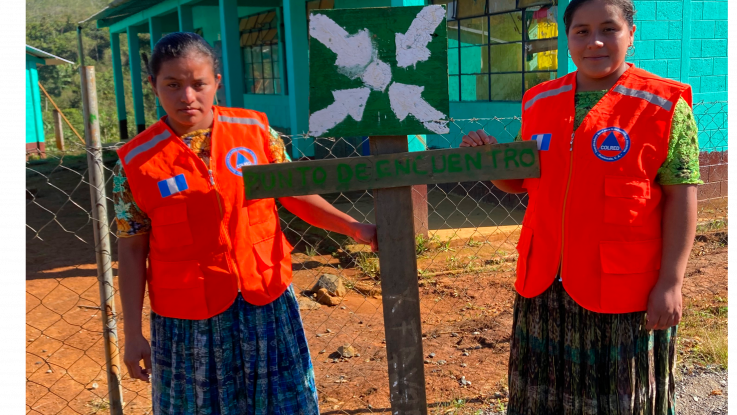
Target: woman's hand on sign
(365, 233)
(477, 138)
(137, 348)
(316, 211)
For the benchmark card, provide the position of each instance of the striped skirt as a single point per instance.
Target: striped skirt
(246, 360)
(567, 360)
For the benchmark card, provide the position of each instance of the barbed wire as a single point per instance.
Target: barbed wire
(465, 264)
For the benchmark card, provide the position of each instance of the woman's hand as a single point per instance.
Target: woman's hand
(316, 211)
(664, 306)
(477, 138)
(365, 233)
(137, 348)
(480, 138)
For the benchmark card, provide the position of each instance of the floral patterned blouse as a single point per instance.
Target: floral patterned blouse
(131, 220)
(682, 164)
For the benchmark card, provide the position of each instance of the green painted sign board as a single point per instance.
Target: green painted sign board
(378, 71)
(501, 161)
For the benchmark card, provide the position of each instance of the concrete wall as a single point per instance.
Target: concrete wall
(686, 40)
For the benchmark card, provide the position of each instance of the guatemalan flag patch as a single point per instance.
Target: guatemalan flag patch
(173, 185)
(543, 141)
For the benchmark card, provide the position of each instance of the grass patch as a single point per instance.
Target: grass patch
(310, 250)
(702, 334)
(421, 244)
(712, 225)
(368, 263)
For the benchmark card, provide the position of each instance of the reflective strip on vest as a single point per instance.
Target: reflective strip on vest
(237, 120)
(548, 94)
(647, 96)
(145, 146)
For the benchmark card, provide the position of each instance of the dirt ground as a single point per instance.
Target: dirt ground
(466, 300)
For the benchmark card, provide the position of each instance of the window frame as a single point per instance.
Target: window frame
(452, 14)
(278, 68)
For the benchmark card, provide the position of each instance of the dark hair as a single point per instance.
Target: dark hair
(176, 45)
(626, 6)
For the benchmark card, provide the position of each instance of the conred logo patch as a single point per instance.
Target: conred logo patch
(610, 144)
(239, 157)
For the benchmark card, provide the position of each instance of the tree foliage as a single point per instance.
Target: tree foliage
(51, 25)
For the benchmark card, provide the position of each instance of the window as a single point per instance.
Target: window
(260, 45)
(497, 49)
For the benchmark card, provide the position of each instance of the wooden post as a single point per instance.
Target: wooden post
(101, 232)
(399, 290)
(58, 130)
(419, 210)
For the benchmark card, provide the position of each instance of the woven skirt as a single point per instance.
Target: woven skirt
(565, 359)
(247, 360)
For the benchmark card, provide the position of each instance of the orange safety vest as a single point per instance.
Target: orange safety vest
(207, 241)
(595, 212)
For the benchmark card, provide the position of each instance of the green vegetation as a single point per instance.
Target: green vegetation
(421, 244)
(368, 263)
(702, 334)
(51, 25)
(310, 250)
(473, 243)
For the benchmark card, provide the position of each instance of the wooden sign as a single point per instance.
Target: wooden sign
(378, 71)
(494, 162)
(391, 171)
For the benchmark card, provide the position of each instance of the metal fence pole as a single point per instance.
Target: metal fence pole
(102, 237)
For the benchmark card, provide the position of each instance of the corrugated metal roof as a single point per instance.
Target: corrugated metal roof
(48, 58)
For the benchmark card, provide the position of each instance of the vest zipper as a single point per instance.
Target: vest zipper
(565, 200)
(217, 195)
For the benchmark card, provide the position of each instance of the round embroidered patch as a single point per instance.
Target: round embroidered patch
(239, 157)
(610, 144)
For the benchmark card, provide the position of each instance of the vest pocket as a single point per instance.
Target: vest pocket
(170, 226)
(619, 257)
(177, 289)
(523, 248)
(270, 252)
(625, 200)
(629, 272)
(260, 211)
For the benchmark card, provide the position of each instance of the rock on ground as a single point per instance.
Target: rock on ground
(306, 303)
(346, 350)
(332, 283)
(324, 297)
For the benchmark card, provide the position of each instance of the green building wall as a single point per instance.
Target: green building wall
(34, 120)
(685, 40)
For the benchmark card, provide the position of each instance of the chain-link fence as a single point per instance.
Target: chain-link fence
(466, 272)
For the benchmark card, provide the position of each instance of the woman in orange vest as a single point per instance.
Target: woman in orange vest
(226, 334)
(608, 228)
